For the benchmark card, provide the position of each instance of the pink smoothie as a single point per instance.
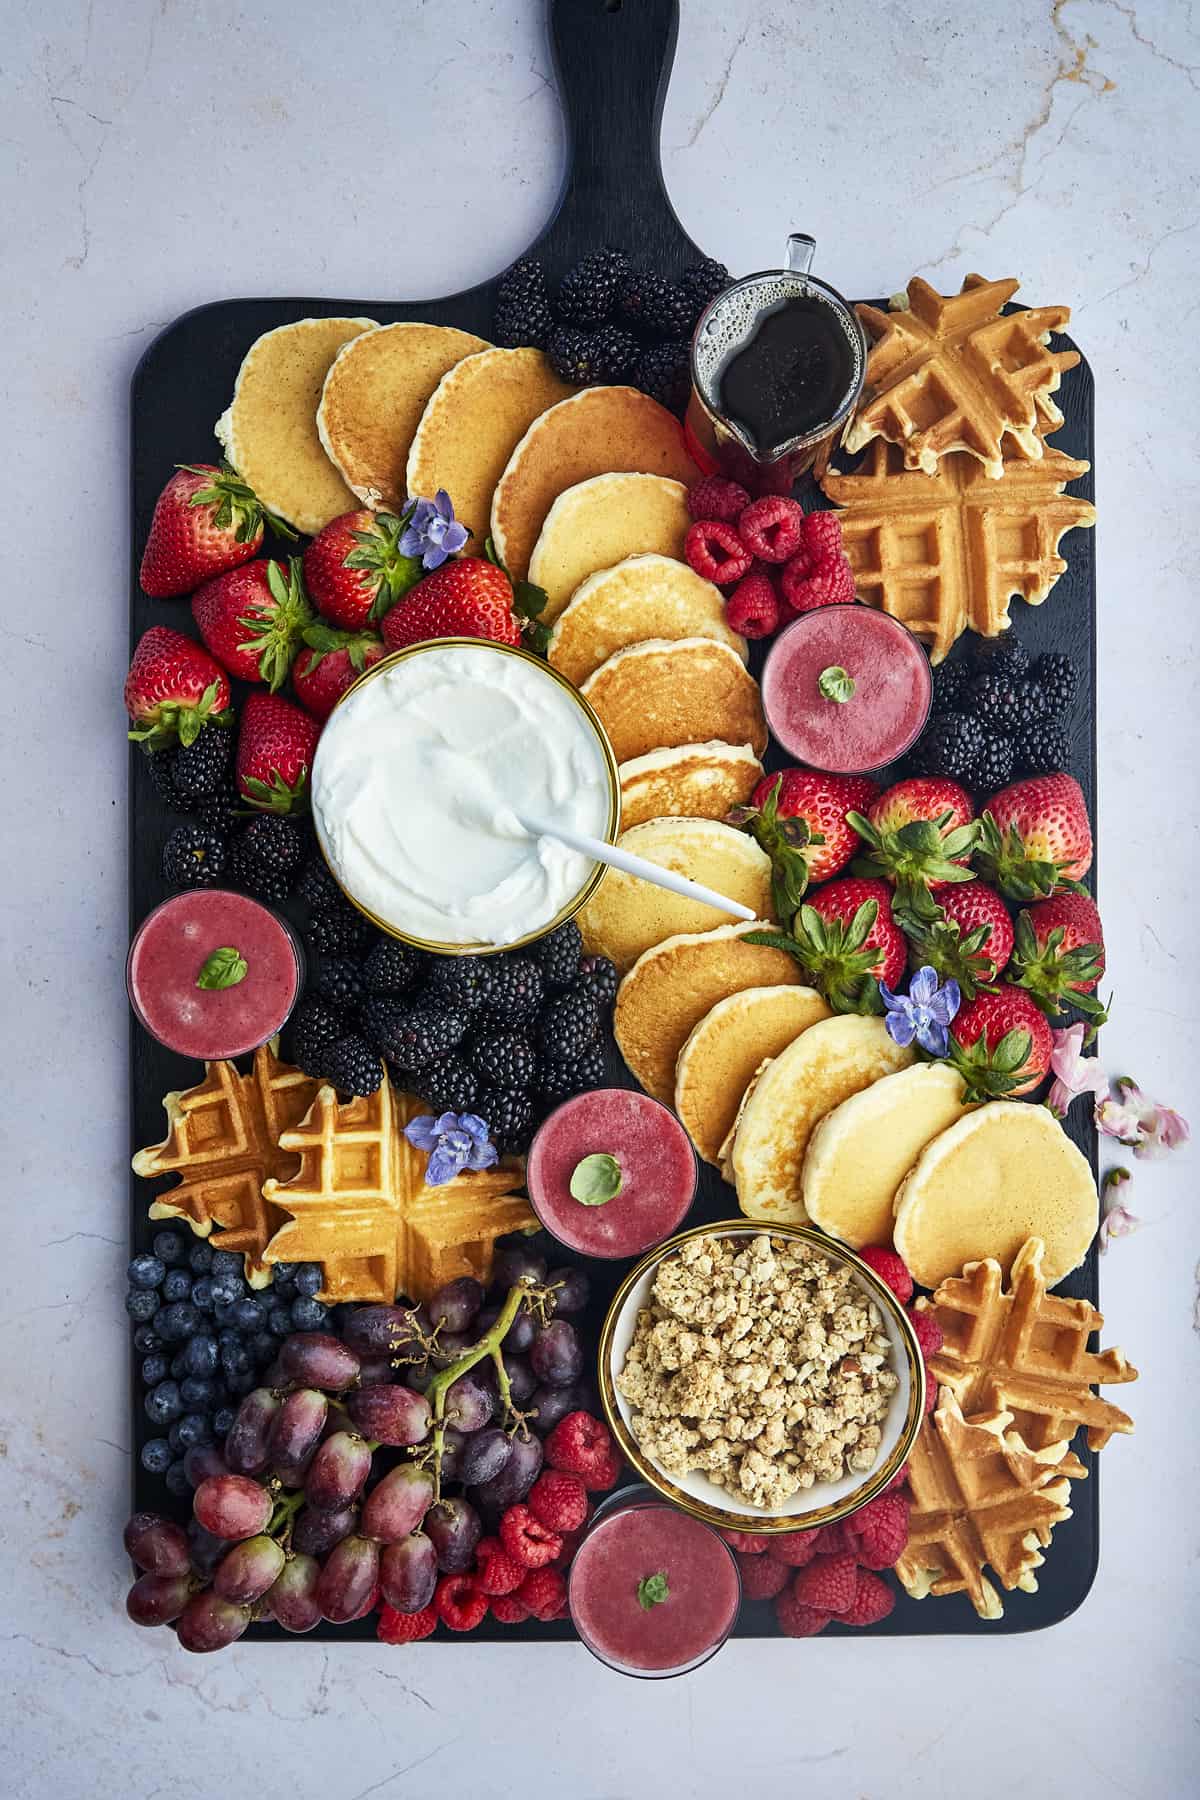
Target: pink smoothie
(624, 1549)
(170, 949)
(882, 708)
(656, 1160)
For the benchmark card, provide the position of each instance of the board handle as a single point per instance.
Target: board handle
(613, 61)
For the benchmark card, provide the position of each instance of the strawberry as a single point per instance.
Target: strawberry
(206, 520)
(1036, 838)
(920, 834)
(355, 571)
(467, 597)
(274, 753)
(252, 619)
(970, 942)
(173, 688)
(1060, 954)
(333, 659)
(847, 940)
(1000, 1043)
(799, 819)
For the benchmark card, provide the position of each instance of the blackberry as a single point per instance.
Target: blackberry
(1043, 748)
(588, 292)
(200, 766)
(557, 955)
(1055, 675)
(392, 968)
(411, 1036)
(224, 811)
(950, 746)
(575, 355)
(598, 979)
(265, 856)
(663, 372)
(352, 1065)
(460, 983)
(338, 931)
(615, 352)
(509, 1116)
(315, 1027)
(161, 765)
(316, 886)
(193, 857)
(1005, 702)
(703, 281)
(950, 683)
(338, 978)
(653, 305)
(1004, 654)
(560, 1080)
(523, 305)
(515, 990)
(994, 764)
(448, 1085)
(502, 1059)
(567, 1027)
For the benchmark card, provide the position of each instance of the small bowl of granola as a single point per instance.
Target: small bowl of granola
(762, 1380)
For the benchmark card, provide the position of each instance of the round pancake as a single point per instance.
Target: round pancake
(860, 1152)
(373, 398)
(1005, 1173)
(627, 915)
(669, 990)
(648, 596)
(595, 432)
(694, 781)
(476, 416)
(658, 695)
(824, 1066)
(725, 1049)
(601, 522)
(269, 429)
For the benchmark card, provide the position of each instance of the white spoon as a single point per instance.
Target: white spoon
(616, 858)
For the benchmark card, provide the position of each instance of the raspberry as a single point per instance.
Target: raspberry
(928, 1332)
(405, 1628)
(882, 1531)
(898, 1479)
(795, 1618)
(717, 498)
(873, 1600)
(891, 1271)
(771, 527)
(526, 1539)
(832, 1540)
(495, 1570)
(750, 1542)
(716, 551)
(605, 1473)
(753, 607)
(807, 586)
(544, 1592)
(509, 1610)
(822, 536)
(762, 1576)
(459, 1603)
(828, 1583)
(795, 1548)
(558, 1501)
(579, 1444)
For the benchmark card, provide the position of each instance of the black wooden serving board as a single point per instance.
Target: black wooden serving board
(613, 61)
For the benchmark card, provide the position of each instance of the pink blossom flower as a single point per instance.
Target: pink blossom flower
(1074, 1074)
(1118, 1221)
(1133, 1118)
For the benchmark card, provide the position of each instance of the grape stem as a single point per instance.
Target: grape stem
(523, 1294)
(279, 1525)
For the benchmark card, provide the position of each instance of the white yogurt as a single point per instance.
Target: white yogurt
(420, 777)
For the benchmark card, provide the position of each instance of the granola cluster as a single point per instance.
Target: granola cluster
(761, 1363)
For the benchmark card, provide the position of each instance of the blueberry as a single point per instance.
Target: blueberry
(226, 1289)
(285, 1271)
(142, 1304)
(235, 1361)
(202, 1293)
(223, 1420)
(200, 1355)
(249, 1315)
(308, 1315)
(196, 1391)
(284, 1290)
(177, 1481)
(145, 1272)
(227, 1262)
(309, 1277)
(243, 1384)
(178, 1321)
(177, 1286)
(156, 1456)
(163, 1403)
(179, 1366)
(154, 1370)
(200, 1258)
(262, 1347)
(194, 1428)
(171, 1246)
(279, 1318)
(230, 1339)
(146, 1342)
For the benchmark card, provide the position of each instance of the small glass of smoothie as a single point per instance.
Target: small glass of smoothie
(846, 689)
(213, 974)
(611, 1173)
(652, 1591)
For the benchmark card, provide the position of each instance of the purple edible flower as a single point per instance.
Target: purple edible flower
(433, 533)
(1074, 1073)
(1134, 1119)
(1118, 1221)
(455, 1141)
(924, 1013)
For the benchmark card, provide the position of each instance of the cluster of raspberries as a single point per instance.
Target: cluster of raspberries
(778, 561)
(929, 1335)
(520, 1572)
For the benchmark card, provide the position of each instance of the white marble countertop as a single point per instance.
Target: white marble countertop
(154, 155)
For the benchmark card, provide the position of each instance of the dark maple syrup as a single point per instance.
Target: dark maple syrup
(792, 375)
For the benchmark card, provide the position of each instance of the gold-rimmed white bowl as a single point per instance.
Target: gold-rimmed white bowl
(609, 834)
(824, 1502)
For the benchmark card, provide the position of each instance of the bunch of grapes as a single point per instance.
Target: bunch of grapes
(330, 1492)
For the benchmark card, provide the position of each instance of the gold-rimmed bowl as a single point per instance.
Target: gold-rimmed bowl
(609, 834)
(826, 1501)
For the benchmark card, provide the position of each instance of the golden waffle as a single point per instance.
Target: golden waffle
(980, 1499)
(1026, 1350)
(948, 372)
(223, 1139)
(361, 1207)
(946, 551)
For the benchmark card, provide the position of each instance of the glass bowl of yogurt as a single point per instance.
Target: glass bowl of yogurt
(421, 779)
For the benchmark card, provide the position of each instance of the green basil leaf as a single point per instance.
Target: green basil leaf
(223, 969)
(652, 1590)
(835, 684)
(596, 1180)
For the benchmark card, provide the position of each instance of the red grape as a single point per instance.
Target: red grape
(572, 1290)
(453, 1442)
(454, 1528)
(246, 1445)
(232, 1506)
(296, 1428)
(338, 1472)
(201, 1461)
(382, 1330)
(557, 1355)
(408, 1573)
(391, 1415)
(249, 1569)
(449, 1347)
(209, 1623)
(515, 1478)
(319, 1360)
(515, 1263)
(470, 1401)
(397, 1504)
(315, 1532)
(521, 1378)
(376, 1370)
(293, 1599)
(519, 1335)
(456, 1303)
(484, 1454)
(206, 1550)
(157, 1545)
(549, 1405)
(157, 1599)
(348, 1579)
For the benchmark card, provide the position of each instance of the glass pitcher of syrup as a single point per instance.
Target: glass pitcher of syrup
(777, 364)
